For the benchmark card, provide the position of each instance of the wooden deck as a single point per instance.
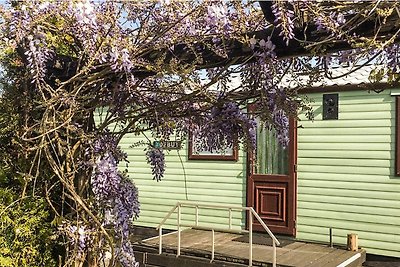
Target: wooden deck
(299, 254)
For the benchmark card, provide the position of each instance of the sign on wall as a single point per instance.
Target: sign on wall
(169, 145)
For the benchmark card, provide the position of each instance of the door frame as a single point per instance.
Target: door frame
(292, 197)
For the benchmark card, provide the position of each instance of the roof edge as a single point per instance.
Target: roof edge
(378, 87)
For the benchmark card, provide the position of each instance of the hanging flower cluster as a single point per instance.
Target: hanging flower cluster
(284, 19)
(115, 194)
(23, 29)
(393, 58)
(77, 236)
(333, 21)
(263, 74)
(223, 127)
(156, 158)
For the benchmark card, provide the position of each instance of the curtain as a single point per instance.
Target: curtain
(272, 158)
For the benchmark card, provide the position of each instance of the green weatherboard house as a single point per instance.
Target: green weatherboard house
(339, 172)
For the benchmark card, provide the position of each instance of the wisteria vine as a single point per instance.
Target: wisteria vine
(86, 73)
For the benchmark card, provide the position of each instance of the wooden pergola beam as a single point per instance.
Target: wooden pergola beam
(238, 52)
(308, 33)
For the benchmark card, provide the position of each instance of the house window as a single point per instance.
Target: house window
(230, 153)
(397, 170)
(271, 157)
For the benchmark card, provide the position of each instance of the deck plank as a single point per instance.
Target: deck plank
(297, 254)
(304, 255)
(328, 258)
(336, 259)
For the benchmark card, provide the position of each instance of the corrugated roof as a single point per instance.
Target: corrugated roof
(336, 77)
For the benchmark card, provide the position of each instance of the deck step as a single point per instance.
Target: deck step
(168, 260)
(149, 257)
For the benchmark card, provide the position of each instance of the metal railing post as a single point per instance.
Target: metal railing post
(252, 214)
(160, 240)
(230, 218)
(197, 216)
(213, 245)
(250, 238)
(178, 253)
(274, 254)
(265, 226)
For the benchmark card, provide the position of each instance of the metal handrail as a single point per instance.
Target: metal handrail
(197, 205)
(159, 227)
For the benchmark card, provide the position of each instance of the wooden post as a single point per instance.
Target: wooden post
(352, 242)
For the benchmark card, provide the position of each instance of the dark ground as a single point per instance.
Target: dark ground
(140, 233)
(381, 261)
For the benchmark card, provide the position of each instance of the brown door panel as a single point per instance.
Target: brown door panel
(270, 199)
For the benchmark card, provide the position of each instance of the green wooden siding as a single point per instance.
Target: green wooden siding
(345, 173)
(345, 177)
(217, 182)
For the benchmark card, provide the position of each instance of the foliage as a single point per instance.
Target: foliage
(26, 234)
(136, 66)
(27, 237)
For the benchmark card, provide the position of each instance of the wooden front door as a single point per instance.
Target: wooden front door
(271, 182)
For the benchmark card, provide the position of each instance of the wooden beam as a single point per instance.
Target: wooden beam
(266, 7)
(307, 32)
(239, 53)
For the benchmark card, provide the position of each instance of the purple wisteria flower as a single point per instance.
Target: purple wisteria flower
(282, 132)
(23, 30)
(126, 256)
(261, 75)
(115, 194)
(393, 58)
(217, 14)
(106, 144)
(78, 236)
(106, 179)
(223, 126)
(156, 158)
(331, 22)
(84, 13)
(284, 19)
(37, 56)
